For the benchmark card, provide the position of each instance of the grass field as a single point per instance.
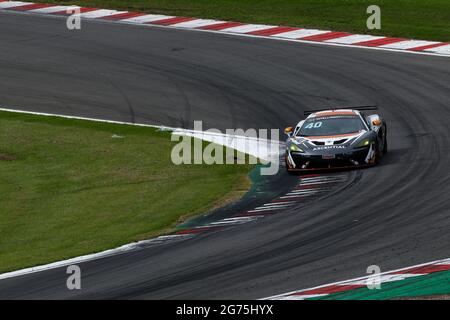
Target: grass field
(72, 187)
(419, 19)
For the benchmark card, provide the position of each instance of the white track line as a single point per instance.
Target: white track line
(246, 28)
(297, 34)
(147, 18)
(101, 13)
(384, 278)
(197, 23)
(354, 38)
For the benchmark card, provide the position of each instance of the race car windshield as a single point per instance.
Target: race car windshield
(329, 126)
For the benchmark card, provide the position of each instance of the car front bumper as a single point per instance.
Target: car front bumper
(347, 159)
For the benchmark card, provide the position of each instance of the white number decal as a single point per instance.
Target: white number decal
(314, 125)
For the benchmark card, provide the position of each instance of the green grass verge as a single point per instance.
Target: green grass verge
(419, 19)
(68, 187)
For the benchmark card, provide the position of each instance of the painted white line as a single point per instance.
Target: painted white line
(220, 223)
(240, 218)
(146, 18)
(322, 178)
(295, 191)
(300, 196)
(164, 238)
(300, 297)
(301, 192)
(263, 149)
(85, 118)
(354, 38)
(382, 279)
(296, 34)
(197, 23)
(246, 28)
(279, 204)
(308, 183)
(277, 207)
(303, 188)
(263, 210)
(445, 261)
(100, 13)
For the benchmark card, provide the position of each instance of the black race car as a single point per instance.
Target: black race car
(337, 138)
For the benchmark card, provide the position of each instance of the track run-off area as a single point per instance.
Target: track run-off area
(394, 215)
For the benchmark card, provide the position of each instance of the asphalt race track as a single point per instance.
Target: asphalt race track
(394, 215)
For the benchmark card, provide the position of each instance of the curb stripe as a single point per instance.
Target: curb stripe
(272, 31)
(146, 18)
(408, 44)
(49, 10)
(348, 285)
(82, 10)
(298, 34)
(426, 269)
(122, 16)
(354, 38)
(170, 21)
(441, 49)
(326, 36)
(379, 42)
(247, 28)
(329, 289)
(101, 13)
(197, 23)
(431, 46)
(221, 26)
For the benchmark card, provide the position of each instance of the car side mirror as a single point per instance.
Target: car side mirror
(288, 131)
(375, 121)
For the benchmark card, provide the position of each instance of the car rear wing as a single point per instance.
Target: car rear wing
(360, 108)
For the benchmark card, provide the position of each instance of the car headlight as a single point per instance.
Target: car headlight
(295, 148)
(363, 143)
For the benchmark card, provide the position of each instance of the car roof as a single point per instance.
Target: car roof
(331, 113)
(334, 112)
